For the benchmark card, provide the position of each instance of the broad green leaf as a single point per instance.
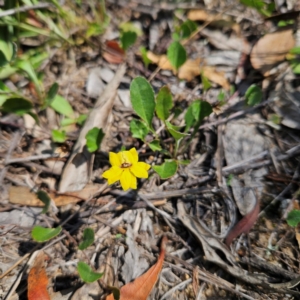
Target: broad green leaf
(86, 273)
(94, 138)
(201, 109)
(253, 95)
(19, 106)
(164, 103)
(176, 55)
(67, 121)
(189, 118)
(58, 136)
(258, 4)
(44, 197)
(138, 129)
(177, 135)
(293, 218)
(26, 66)
(142, 99)
(88, 238)
(167, 169)
(296, 67)
(145, 58)
(51, 94)
(128, 38)
(62, 106)
(41, 234)
(155, 145)
(187, 28)
(295, 50)
(81, 119)
(205, 83)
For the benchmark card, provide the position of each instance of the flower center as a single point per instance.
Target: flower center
(126, 165)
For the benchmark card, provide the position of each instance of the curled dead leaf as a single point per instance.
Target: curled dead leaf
(113, 53)
(244, 225)
(38, 280)
(271, 49)
(142, 286)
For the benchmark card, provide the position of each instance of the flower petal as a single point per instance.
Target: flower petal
(144, 165)
(139, 171)
(134, 154)
(133, 182)
(114, 159)
(126, 179)
(113, 174)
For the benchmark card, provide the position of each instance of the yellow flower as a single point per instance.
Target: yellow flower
(126, 168)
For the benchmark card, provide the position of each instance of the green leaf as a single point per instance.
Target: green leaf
(26, 66)
(295, 50)
(86, 273)
(129, 26)
(164, 103)
(253, 95)
(187, 28)
(189, 118)
(128, 38)
(51, 94)
(205, 82)
(167, 169)
(62, 106)
(81, 119)
(58, 136)
(19, 106)
(155, 145)
(258, 4)
(142, 99)
(138, 129)
(176, 55)
(177, 135)
(145, 58)
(94, 138)
(44, 197)
(41, 234)
(293, 218)
(201, 109)
(88, 238)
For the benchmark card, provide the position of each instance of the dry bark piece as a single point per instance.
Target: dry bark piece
(38, 280)
(77, 170)
(271, 49)
(22, 195)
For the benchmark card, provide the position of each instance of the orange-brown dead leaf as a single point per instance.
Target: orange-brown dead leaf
(142, 286)
(244, 225)
(217, 77)
(22, 195)
(113, 53)
(38, 280)
(271, 49)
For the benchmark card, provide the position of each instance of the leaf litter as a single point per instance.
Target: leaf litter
(236, 168)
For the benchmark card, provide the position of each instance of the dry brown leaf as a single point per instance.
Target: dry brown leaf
(113, 53)
(271, 49)
(216, 77)
(297, 236)
(190, 69)
(141, 287)
(38, 280)
(244, 225)
(161, 60)
(23, 196)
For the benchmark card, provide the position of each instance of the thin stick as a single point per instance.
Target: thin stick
(16, 10)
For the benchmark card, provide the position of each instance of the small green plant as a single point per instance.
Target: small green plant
(293, 218)
(146, 104)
